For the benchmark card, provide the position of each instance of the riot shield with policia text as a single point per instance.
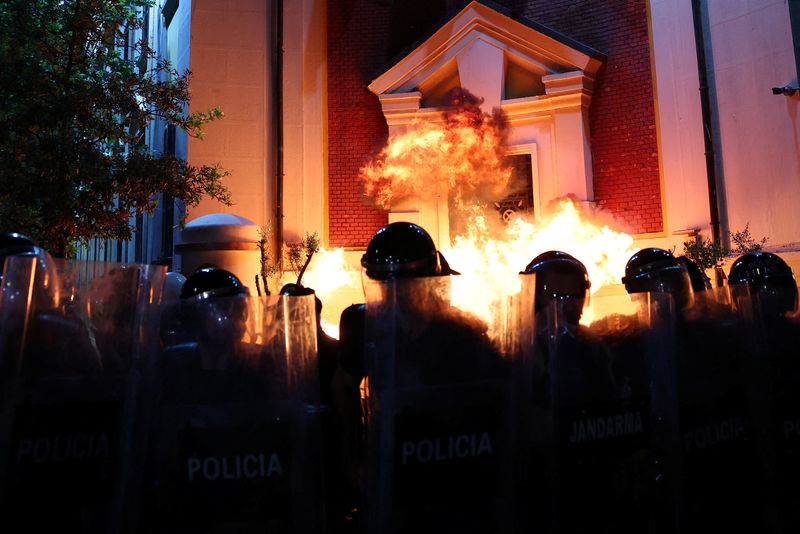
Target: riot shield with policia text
(77, 369)
(774, 385)
(439, 436)
(237, 441)
(725, 469)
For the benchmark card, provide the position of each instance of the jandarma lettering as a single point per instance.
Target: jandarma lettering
(63, 447)
(446, 448)
(607, 427)
(240, 466)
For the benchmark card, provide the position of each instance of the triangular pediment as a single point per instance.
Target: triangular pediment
(486, 47)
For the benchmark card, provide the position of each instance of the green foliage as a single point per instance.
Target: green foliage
(707, 254)
(268, 269)
(745, 243)
(74, 163)
(299, 254)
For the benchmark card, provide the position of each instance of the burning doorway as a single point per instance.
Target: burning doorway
(541, 82)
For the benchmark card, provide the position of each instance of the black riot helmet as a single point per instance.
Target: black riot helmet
(700, 282)
(403, 250)
(559, 276)
(657, 270)
(47, 277)
(298, 290)
(14, 243)
(215, 305)
(769, 278)
(212, 282)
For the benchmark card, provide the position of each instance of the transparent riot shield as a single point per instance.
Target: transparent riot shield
(512, 329)
(76, 375)
(775, 377)
(236, 445)
(439, 436)
(533, 479)
(594, 420)
(15, 308)
(726, 481)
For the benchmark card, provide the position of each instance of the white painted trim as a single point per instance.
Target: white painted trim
(477, 21)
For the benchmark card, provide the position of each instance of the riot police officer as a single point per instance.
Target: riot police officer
(75, 395)
(769, 279)
(771, 284)
(719, 454)
(562, 286)
(405, 254)
(560, 277)
(235, 445)
(656, 270)
(403, 250)
(590, 377)
(435, 387)
(217, 301)
(397, 251)
(209, 352)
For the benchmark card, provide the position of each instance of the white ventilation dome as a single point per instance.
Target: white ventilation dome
(224, 240)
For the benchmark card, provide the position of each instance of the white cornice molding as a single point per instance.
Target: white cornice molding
(478, 21)
(569, 91)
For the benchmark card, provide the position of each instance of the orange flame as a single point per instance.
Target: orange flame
(335, 283)
(460, 158)
(489, 265)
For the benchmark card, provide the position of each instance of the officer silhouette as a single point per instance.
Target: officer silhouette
(770, 282)
(210, 360)
(769, 279)
(592, 392)
(716, 438)
(436, 377)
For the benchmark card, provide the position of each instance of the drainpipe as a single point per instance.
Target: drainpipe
(708, 129)
(277, 91)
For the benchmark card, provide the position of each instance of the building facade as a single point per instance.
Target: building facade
(307, 88)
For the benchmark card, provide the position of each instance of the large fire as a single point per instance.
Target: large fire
(461, 158)
(489, 265)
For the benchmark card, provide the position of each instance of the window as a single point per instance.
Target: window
(794, 18)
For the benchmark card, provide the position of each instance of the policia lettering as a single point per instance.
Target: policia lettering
(448, 448)
(240, 466)
(63, 447)
(714, 434)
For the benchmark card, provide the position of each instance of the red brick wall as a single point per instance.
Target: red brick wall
(357, 33)
(622, 116)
